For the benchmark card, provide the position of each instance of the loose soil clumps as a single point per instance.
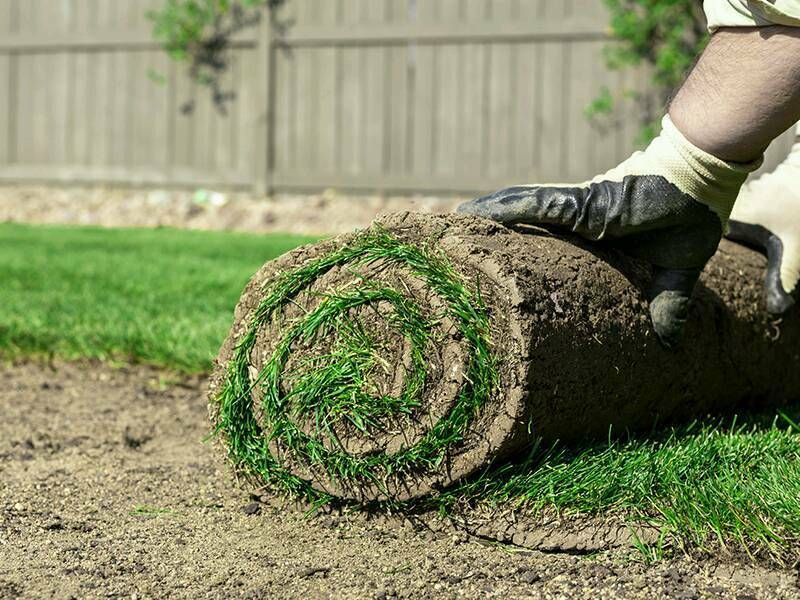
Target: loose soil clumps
(388, 364)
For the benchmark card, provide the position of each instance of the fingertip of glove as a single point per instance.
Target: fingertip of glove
(778, 301)
(466, 208)
(668, 312)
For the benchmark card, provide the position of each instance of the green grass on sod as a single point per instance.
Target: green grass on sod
(337, 387)
(166, 297)
(733, 486)
(158, 296)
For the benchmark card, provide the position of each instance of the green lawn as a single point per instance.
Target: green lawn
(166, 297)
(717, 487)
(158, 296)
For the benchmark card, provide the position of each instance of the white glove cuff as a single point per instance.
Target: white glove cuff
(695, 172)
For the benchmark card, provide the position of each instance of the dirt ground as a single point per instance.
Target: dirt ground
(107, 490)
(329, 212)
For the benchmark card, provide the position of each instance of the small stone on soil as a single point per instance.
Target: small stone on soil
(136, 437)
(313, 571)
(529, 577)
(251, 509)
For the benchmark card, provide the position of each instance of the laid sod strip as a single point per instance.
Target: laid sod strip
(705, 486)
(160, 296)
(338, 389)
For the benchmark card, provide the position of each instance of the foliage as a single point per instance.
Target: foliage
(666, 35)
(199, 32)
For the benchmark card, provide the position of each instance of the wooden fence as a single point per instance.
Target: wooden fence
(392, 95)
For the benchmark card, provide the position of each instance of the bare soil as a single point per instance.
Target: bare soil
(328, 212)
(107, 490)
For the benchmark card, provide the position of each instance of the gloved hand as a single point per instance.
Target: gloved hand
(766, 216)
(668, 205)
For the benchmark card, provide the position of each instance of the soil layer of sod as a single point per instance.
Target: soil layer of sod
(391, 363)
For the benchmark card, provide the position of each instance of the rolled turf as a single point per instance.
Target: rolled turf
(390, 363)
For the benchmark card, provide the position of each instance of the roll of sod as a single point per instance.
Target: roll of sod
(390, 363)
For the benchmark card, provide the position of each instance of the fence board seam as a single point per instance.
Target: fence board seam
(99, 40)
(565, 30)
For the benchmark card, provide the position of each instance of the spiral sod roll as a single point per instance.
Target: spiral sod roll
(390, 363)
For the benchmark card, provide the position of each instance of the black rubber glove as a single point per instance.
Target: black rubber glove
(667, 205)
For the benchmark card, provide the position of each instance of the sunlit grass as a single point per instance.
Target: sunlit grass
(731, 485)
(158, 296)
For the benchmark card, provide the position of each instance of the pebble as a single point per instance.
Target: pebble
(251, 509)
(529, 577)
(314, 571)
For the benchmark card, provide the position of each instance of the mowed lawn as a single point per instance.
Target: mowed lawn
(159, 296)
(166, 297)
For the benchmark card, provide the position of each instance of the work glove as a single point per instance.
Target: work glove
(668, 205)
(766, 216)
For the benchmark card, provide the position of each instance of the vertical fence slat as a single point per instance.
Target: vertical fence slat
(79, 138)
(445, 149)
(6, 91)
(373, 94)
(202, 123)
(6, 15)
(143, 118)
(326, 85)
(103, 82)
(256, 161)
(59, 122)
(472, 113)
(283, 101)
(398, 96)
(5, 108)
(424, 97)
(398, 117)
(397, 10)
(42, 109)
(22, 104)
(502, 90)
(124, 66)
(285, 90)
(526, 75)
(350, 110)
(502, 87)
(576, 158)
(258, 152)
(251, 116)
(552, 110)
(530, 90)
(304, 116)
(603, 155)
(222, 154)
